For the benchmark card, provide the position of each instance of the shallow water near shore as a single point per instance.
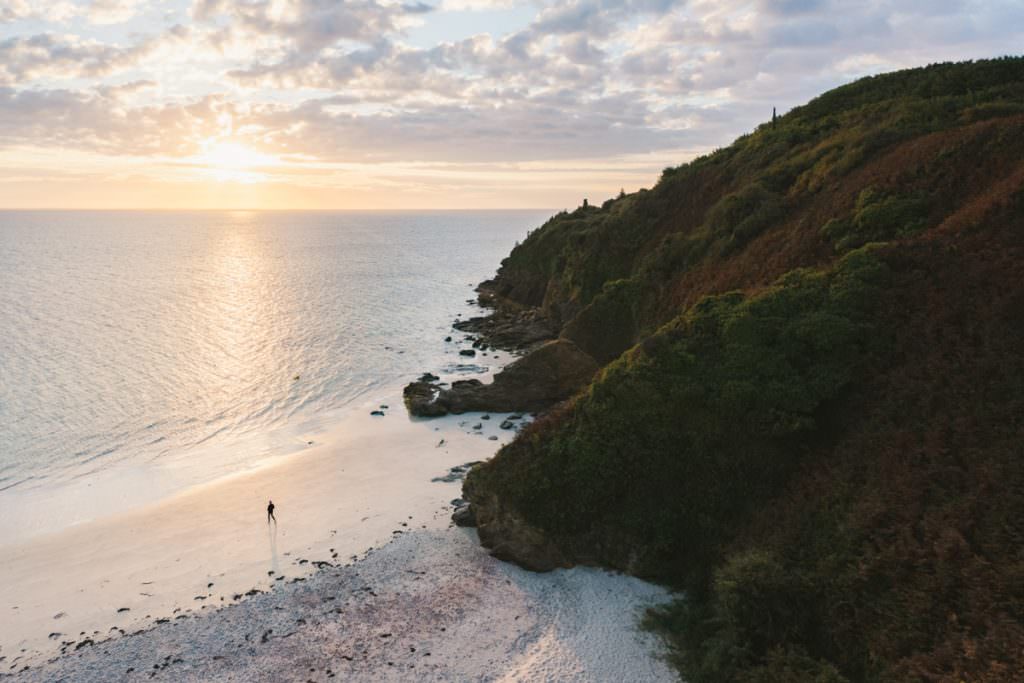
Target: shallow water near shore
(164, 373)
(146, 352)
(143, 435)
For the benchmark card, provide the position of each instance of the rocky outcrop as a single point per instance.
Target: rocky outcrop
(464, 515)
(510, 538)
(509, 328)
(551, 373)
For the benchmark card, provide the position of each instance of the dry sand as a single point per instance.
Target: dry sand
(165, 585)
(431, 605)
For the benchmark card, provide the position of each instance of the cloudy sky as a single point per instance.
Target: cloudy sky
(424, 103)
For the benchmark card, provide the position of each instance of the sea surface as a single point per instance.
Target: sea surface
(143, 352)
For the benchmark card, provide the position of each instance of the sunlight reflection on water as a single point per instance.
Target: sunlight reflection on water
(177, 337)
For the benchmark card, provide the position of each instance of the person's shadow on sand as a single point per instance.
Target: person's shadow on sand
(272, 536)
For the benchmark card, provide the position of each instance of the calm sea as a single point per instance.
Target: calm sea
(214, 338)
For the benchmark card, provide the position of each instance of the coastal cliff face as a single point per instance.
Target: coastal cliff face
(802, 390)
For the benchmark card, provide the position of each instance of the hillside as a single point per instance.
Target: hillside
(810, 407)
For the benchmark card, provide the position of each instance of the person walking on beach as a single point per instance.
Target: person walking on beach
(270, 512)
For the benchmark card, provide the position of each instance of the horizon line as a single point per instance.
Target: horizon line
(265, 210)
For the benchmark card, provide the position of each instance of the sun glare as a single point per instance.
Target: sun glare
(230, 161)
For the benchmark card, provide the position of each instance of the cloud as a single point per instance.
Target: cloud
(308, 26)
(586, 79)
(112, 11)
(18, 10)
(28, 58)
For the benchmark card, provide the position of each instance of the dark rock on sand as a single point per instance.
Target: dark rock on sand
(551, 373)
(467, 352)
(464, 516)
(378, 413)
(510, 328)
(507, 424)
(421, 400)
(511, 538)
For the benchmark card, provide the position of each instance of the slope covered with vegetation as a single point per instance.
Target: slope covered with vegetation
(811, 412)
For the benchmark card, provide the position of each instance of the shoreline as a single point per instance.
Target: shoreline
(180, 580)
(429, 605)
(366, 480)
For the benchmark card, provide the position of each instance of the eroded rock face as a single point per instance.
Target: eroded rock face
(553, 372)
(510, 538)
(510, 329)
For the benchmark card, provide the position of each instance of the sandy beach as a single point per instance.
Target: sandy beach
(200, 584)
(430, 605)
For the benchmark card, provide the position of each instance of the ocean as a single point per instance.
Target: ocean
(145, 352)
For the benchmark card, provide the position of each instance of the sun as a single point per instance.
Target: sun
(231, 161)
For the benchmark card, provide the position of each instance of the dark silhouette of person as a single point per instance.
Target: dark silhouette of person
(270, 512)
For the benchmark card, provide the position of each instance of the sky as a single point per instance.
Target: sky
(424, 104)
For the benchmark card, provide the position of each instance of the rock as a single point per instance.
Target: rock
(447, 339)
(464, 516)
(478, 426)
(421, 400)
(509, 327)
(467, 352)
(515, 417)
(509, 537)
(428, 377)
(378, 413)
(506, 424)
(492, 437)
(485, 417)
(549, 374)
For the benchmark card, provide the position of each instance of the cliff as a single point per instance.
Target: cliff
(808, 409)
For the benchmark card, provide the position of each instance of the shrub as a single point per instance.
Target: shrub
(877, 217)
(740, 216)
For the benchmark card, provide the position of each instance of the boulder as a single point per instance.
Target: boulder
(464, 516)
(421, 400)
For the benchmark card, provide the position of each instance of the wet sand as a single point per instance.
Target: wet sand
(200, 586)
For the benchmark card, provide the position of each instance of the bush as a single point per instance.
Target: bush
(740, 216)
(676, 441)
(877, 217)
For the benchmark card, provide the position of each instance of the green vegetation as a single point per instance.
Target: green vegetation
(809, 417)
(877, 217)
(702, 414)
(779, 179)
